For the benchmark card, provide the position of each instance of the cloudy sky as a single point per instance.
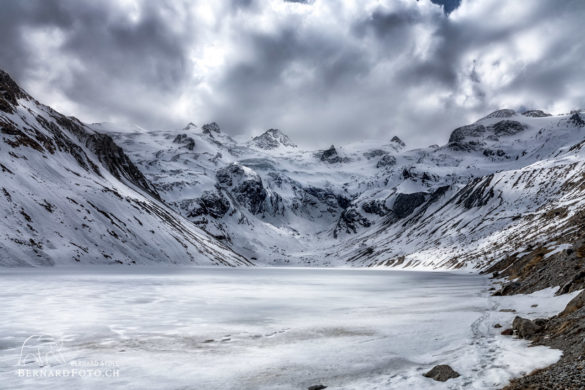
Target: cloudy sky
(323, 71)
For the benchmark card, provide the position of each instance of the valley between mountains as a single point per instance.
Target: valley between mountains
(504, 195)
(502, 189)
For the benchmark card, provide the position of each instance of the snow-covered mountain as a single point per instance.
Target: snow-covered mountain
(71, 195)
(504, 186)
(504, 183)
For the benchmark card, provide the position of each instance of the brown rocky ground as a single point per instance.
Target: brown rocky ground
(533, 271)
(566, 332)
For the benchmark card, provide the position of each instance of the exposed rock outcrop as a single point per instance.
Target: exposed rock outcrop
(245, 185)
(405, 204)
(272, 139)
(442, 373)
(349, 222)
(525, 328)
(185, 140)
(386, 161)
(535, 114)
(397, 141)
(211, 128)
(117, 162)
(330, 155)
(211, 203)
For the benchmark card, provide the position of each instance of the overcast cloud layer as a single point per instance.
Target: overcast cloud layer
(323, 71)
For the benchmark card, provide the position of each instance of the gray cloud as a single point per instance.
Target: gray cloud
(322, 71)
(110, 62)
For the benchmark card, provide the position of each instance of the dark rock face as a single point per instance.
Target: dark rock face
(477, 193)
(386, 161)
(438, 193)
(375, 207)
(405, 204)
(187, 141)
(211, 203)
(398, 141)
(330, 155)
(374, 153)
(10, 92)
(65, 138)
(460, 133)
(322, 199)
(494, 153)
(576, 120)
(442, 373)
(466, 146)
(525, 328)
(349, 221)
(117, 162)
(503, 113)
(507, 128)
(246, 188)
(460, 137)
(536, 113)
(224, 176)
(210, 128)
(317, 387)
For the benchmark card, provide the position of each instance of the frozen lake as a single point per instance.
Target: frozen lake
(256, 328)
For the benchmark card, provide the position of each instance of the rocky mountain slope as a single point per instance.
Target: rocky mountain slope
(503, 191)
(500, 186)
(69, 194)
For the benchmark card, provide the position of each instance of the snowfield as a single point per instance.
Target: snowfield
(259, 328)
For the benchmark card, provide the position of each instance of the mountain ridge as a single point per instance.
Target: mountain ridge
(71, 195)
(471, 203)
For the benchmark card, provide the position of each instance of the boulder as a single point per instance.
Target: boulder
(317, 387)
(525, 328)
(442, 373)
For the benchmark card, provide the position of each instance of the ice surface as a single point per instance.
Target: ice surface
(280, 328)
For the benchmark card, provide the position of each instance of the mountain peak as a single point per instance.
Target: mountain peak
(272, 139)
(330, 155)
(503, 113)
(10, 92)
(210, 128)
(398, 141)
(190, 126)
(536, 113)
